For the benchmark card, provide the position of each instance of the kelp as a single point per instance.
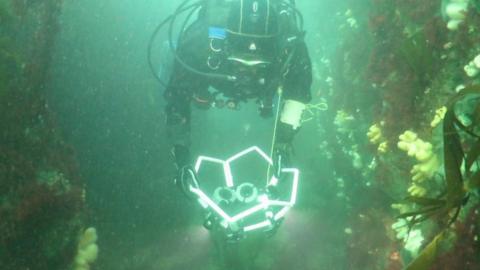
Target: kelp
(428, 255)
(459, 182)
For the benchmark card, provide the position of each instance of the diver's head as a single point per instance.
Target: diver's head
(247, 37)
(252, 18)
(251, 41)
(252, 29)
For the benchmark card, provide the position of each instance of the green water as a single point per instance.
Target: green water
(374, 61)
(113, 110)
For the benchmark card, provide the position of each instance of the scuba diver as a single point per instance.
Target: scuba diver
(233, 52)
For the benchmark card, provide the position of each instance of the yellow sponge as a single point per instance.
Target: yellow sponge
(428, 162)
(87, 252)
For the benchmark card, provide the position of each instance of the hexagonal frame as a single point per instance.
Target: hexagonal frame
(265, 202)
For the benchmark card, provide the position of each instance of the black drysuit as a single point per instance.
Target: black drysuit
(186, 87)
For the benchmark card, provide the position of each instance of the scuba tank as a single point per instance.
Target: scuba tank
(241, 16)
(216, 14)
(243, 39)
(248, 29)
(248, 40)
(241, 26)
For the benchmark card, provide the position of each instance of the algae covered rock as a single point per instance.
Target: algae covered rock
(41, 193)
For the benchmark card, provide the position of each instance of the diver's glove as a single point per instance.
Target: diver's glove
(281, 158)
(187, 179)
(283, 148)
(186, 175)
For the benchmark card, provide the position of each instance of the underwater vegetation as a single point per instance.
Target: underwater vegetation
(461, 176)
(405, 92)
(403, 111)
(41, 194)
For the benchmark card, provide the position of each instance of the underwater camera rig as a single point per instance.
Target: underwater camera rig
(236, 207)
(201, 6)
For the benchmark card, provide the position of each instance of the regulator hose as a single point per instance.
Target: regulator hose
(184, 7)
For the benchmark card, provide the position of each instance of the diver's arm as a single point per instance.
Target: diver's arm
(180, 90)
(178, 113)
(178, 94)
(296, 94)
